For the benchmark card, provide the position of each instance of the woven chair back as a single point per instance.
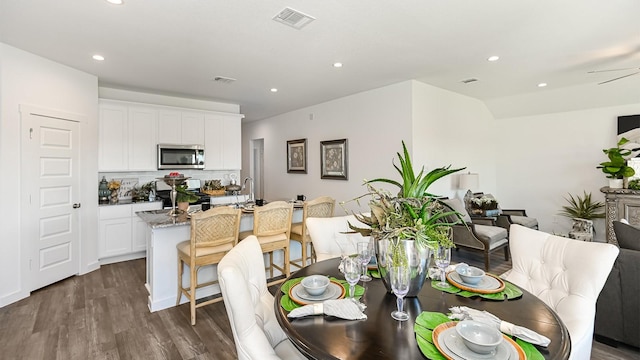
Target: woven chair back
(273, 218)
(322, 206)
(215, 227)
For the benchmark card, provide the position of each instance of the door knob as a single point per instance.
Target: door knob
(76, 206)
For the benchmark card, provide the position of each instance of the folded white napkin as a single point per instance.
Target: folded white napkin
(528, 335)
(341, 308)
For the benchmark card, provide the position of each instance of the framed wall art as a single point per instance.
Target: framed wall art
(334, 159)
(297, 156)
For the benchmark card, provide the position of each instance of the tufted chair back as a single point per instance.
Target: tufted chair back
(329, 238)
(250, 306)
(566, 274)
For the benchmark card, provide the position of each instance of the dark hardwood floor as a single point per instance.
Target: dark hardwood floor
(104, 315)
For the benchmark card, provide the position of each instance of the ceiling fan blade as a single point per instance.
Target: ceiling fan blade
(608, 70)
(618, 78)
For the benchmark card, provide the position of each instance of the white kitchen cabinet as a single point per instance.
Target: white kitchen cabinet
(113, 136)
(127, 137)
(122, 232)
(223, 141)
(181, 127)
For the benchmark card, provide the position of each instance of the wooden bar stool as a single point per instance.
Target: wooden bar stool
(272, 227)
(322, 207)
(213, 234)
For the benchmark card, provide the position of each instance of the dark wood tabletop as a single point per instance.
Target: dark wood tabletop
(382, 337)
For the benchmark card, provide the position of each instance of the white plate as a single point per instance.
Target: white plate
(334, 289)
(330, 292)
(486, 283)
(454, 346)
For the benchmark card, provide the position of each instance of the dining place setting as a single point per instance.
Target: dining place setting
(461, 333)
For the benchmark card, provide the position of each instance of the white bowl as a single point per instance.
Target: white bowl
(470, 274)
(479, 337)
(315, 284)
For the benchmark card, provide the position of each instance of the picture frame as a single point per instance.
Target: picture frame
(334, 160)
(297, 156)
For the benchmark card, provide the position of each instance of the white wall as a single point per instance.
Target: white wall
(453, 129)
(544, 157)
(29, 79)
(375, 122)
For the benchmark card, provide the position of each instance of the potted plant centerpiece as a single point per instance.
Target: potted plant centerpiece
(616, 168)
(408, 225)
(184, 197)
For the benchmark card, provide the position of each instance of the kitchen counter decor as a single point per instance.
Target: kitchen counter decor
(213, 188)
(114, 186)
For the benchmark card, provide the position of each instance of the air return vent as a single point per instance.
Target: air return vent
(223, 80)
(469, 81)
(293, 18)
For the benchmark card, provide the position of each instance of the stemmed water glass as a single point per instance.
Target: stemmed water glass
(351, 270)
(399, 277)
(442, 257)
(364, 255)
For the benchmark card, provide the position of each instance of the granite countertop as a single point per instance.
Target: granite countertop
(128, 202)
(161, 219)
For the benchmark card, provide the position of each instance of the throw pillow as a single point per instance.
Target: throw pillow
(628, 235)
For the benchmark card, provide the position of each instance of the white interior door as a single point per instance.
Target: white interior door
(257, 171)
(51, 192)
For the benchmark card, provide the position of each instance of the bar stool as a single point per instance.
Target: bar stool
(213, 234)
(272, 227)
(322, 207)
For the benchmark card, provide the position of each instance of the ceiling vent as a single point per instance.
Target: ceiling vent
(469, 81)
(223, 80)
(293, 18)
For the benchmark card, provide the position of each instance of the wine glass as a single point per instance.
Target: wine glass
(399, 277)
(351, 269)
(442, 257)
(364, 255)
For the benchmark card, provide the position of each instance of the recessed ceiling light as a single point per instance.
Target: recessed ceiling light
(115, 2)
(493, 58)
(274, 90)
(98, 57)
(337, 65)
(542, 84)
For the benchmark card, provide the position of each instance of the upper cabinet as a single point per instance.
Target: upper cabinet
(181, 127)
(223, 141)
(129, 133)
(127, 137)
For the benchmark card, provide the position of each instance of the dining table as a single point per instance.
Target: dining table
(381, 337)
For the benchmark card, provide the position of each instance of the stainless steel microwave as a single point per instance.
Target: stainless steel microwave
(171, 156)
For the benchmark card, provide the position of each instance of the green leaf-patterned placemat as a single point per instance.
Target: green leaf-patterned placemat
(510, 291)
(289, 304)
(427, 321)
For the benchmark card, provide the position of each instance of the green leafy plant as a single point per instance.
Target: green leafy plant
(583, 207)
(634, 184)
(616, 167)
(183, 195)
(413, 213)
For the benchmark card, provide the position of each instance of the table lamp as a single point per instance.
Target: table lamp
(470, 182)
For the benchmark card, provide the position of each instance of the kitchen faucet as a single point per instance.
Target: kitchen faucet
(244, 184)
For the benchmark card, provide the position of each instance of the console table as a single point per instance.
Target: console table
(620, 204)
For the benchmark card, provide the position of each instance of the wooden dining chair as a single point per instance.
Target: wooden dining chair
(320, 207)
(566, 274)
(272, 227)
(213, 234)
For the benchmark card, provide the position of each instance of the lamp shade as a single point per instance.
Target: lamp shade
(469, 181)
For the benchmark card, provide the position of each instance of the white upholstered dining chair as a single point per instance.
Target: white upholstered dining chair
(329, 236)
(250, 307)
(566, 274)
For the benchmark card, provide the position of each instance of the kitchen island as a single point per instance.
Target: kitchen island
(163, 233)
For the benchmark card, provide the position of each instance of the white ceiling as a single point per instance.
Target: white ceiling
(176, 47)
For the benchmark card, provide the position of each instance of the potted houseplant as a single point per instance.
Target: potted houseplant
(616, 168)
(407, 225)
(582, 211)
(184, 197)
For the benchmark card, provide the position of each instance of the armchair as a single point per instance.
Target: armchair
(508, 217)
(478, 234)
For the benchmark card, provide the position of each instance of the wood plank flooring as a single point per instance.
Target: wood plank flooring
(104, 315)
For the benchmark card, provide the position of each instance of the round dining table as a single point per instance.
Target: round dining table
(381, 337)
